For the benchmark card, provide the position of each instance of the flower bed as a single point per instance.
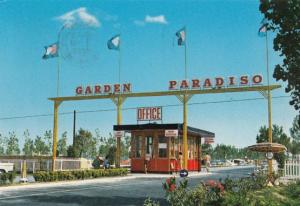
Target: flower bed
(42, 176)
(250, 191)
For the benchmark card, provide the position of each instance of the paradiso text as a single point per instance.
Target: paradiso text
(217, 82)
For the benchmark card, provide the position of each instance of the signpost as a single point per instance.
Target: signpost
(183, 90)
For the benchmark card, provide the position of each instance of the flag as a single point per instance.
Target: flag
(114, 43)
(262, 31)
(181, 36)
(51, 51)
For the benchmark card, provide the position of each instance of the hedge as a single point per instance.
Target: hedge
(7, 178)
(43, 176)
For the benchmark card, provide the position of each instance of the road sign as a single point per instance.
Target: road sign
(119, 133)
(269, 155)
(183, 173)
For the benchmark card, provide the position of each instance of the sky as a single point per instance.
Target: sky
(222, 40)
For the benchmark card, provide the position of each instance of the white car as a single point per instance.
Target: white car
(6, 167)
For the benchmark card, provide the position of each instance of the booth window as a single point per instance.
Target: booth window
(149, 143)
(162, 146)
(138, 146)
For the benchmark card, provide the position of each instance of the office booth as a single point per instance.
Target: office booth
(158, 148)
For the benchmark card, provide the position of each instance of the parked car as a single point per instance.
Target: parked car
(239, 162)
(6, 167)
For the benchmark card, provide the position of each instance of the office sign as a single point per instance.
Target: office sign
(149, 113)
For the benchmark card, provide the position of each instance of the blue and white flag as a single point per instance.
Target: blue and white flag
(114, 43)
(51, 51)
(262, 31)
(181, 36)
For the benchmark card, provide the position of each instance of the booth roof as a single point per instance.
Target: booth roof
(191, 130)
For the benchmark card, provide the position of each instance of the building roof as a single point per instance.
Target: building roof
(153, 126)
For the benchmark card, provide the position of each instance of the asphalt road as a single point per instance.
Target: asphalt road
(121, 192)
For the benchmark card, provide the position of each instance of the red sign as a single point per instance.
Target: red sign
(217, 82)
(149, 113)
(103, 89)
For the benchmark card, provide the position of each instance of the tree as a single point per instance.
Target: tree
(28, 147)
(62, 145)
(207, 149)
(12, 144)
(71, 151)
(278, 136)
(108, 148)
(3, 142)
(48, 141)
(295, 134)
(283, 17)
(295, 130)
(85, 144)
(40, 146)
(125, 146)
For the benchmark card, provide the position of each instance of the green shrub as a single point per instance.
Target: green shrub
(7, 177)
(43, 176)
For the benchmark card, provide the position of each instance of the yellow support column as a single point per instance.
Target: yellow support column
(55, 133)
(185, 145)
(270, 128)
(119, 121)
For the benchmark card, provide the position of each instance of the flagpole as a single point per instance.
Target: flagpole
(185, 62)
(269, 104)
(120, 61)
(58, 59)
(185, 100)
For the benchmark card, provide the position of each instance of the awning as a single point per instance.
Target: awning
(267, 147)
(153, 126)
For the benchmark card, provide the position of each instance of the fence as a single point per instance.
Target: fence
(72, 164)
(292, 169)
(34, 164)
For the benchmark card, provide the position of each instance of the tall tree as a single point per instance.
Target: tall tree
(12, 144)
(62, 145)
(48, 141)
(284, 19)
(85, 144)
(295, 130)
(40, 147)
(295, 134)
(28, 147)
(108, 147)
(3, 142)
(279, 137)
(125, 146)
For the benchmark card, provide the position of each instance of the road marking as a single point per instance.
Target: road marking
(58, 191)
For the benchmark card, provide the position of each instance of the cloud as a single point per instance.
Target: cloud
(160, 19)
(79, 15)
(156, 19)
